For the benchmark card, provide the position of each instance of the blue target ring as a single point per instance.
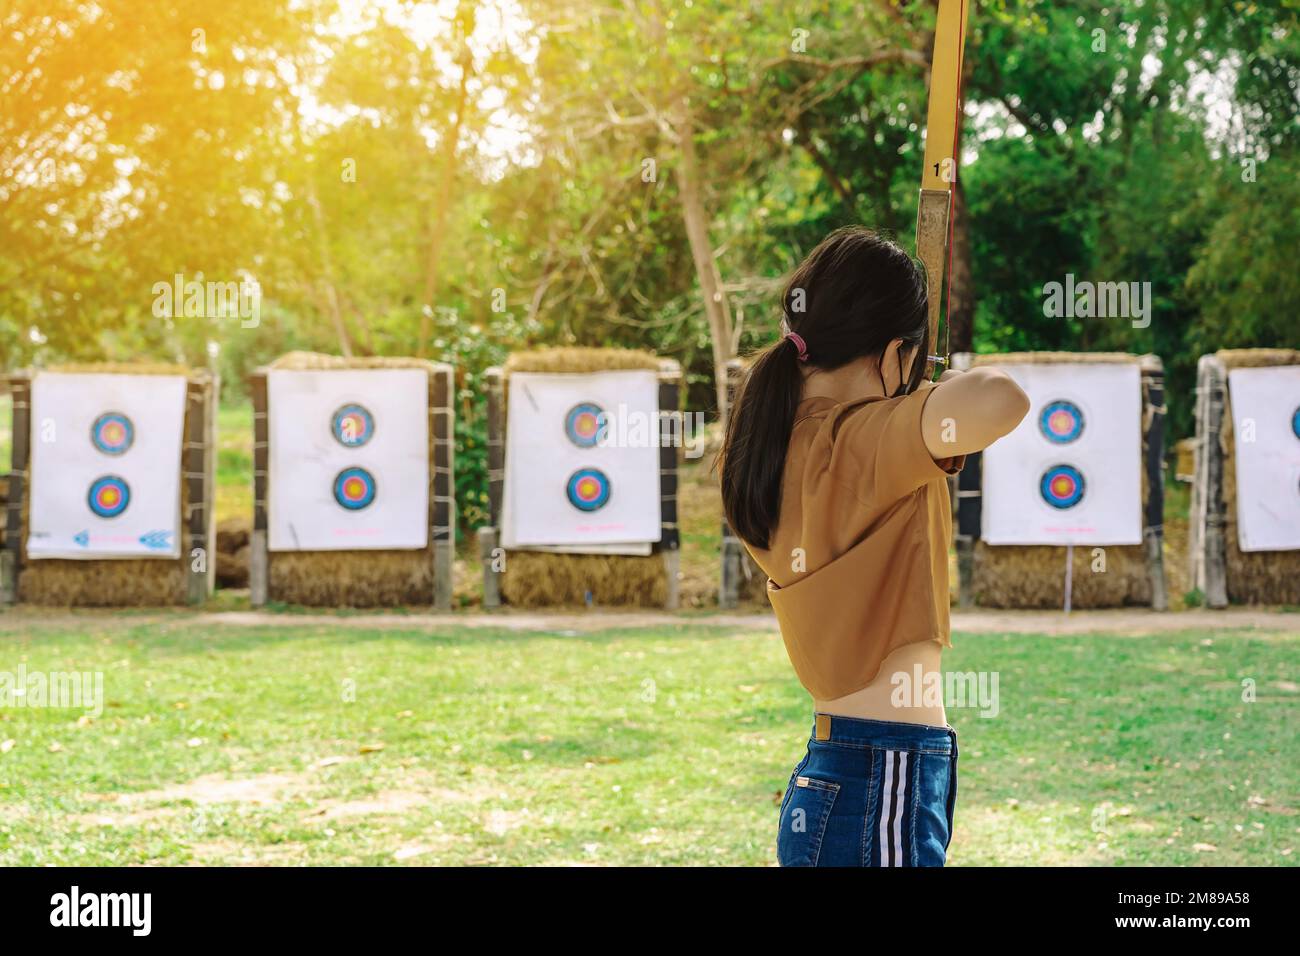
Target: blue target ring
(112, 433)
(1061, 422)
(353, 426)
(585, 424)
(108, 496)
(588, 489)
(1062, 486)
(1295, 422)
(354, 488)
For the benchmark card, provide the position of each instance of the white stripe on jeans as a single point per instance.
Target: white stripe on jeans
(900, 808)
(892, 807)
(882, 835)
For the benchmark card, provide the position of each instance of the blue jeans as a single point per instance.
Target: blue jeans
(870, 793)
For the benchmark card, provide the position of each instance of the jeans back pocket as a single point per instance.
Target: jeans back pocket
(804, 816)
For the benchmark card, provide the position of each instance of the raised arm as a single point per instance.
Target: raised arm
(968, 411)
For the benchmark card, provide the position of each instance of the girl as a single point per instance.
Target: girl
(834, 475)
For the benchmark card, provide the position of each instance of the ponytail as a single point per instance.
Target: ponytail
(757, 436)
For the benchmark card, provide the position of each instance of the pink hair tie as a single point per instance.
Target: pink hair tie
(800, 344)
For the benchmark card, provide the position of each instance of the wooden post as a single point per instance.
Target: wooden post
(487, 554)
(214, 406)
(197, 457)
(672, 434)
(490, 537)
(259, 566)
(1153, 451)
(733, 552)
(442, 498)
(20, 388)
(1209, 546)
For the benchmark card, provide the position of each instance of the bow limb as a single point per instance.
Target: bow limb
(939, 176)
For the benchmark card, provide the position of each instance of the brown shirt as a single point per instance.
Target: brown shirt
(858, 563)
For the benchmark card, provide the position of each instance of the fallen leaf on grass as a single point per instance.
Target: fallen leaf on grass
(409, 852)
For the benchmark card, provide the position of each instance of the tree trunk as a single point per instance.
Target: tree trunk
(327, 269)
(441, 206)
(696, 220)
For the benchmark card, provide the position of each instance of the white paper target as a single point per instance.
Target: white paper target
(106, 466)
(1266, 440)
(582, 461)
(349, 459)
(1071, 472)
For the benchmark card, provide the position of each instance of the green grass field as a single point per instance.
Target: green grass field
(299, 743)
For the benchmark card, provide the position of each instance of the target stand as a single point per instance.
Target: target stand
(353, 482)
(740, 577)
(109, 499)
(1244, 543)
(1061, 515)
(553, 537)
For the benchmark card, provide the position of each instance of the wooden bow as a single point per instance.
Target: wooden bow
(934, 218)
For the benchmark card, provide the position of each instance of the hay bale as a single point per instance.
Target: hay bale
(1253, 577)
(545, 579)
(542, 579)
(112, 582)
(127, 582)
(1033, 576)
(566, 359)
(308, 361)
(354, 578)
(233, 568)
(351, 578)
(1055, 358)
(1257, 358)
(123, 368)
(233, 551)
(233, 533)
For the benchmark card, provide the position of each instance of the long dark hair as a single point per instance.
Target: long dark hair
(853, 295)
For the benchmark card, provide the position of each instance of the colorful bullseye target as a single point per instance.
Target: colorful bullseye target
(583, 424)
(1295, 422)
(354, 488)
(112, 433)
(1061, 422)
(353, 426)
(1062, 486)
(588, 489)
(109, 496)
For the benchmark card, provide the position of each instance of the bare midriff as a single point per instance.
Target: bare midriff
(899, 692)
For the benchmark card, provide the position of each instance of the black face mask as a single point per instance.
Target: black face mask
(908, 385)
